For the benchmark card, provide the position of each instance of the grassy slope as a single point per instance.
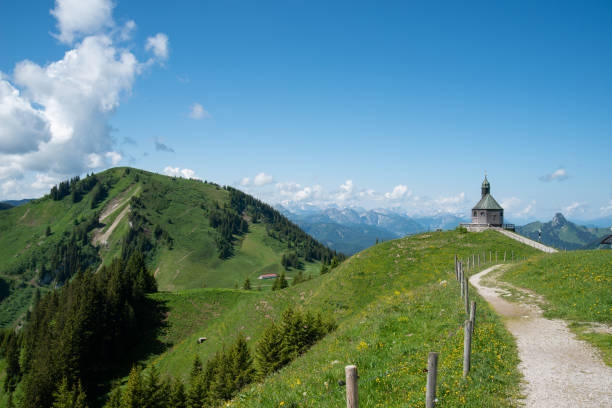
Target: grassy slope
(192, 263)
(391, 311)
(22, 233)
(576, 287)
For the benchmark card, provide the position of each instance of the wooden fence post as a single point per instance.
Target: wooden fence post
(467, 297)
(473, 314)
(512, 255)
(352, 397)
(504, 256)
(479, 260)
(490, 256)
(432, 379)
(467, 347)
(473, 261)
(461, 284)
(495, 256)
(456, 266)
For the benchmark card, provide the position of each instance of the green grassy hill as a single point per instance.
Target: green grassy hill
(391, 308)
(576, 288)
(89, 222)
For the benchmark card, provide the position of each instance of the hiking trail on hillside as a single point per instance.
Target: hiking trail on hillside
(527, 241)
(559, 369)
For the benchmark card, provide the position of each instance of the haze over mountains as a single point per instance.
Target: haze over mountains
(351, 230)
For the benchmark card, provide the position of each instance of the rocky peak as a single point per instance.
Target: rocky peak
(558, 220)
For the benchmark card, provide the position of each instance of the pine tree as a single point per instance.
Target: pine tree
(48, 231)
(64, 396)
(178, 398)
(154, 390)
(134, 392)
(196, 367)
(80, 400)
(268, 351)
(247, 284)
(283, 281)
(242, 370)
(114, 401)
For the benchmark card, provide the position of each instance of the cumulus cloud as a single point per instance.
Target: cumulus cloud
(575, 207)
(161, 147)
(607, 209)
(81, 17)
(526, 211)
(398, 192)
(54, 117)
(198, 112)
(178, 172)
(113, 157)
(44, 182)
(22, 128)
(158, 44)
(262, 179)
(346, 191)
(245, 181)
(511, 203)
(559, 175)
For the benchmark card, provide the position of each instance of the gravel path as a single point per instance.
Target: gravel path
(527, 241)
(559, 369)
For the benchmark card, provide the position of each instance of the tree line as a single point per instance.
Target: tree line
(77, 336)
(228, 371)
(280, 228)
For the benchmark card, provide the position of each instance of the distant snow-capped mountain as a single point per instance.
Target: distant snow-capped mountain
(351, 229)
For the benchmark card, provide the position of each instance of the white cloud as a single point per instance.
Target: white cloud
(398, 192)
(178, 172)
(54, 117)
(114, 157)
(528, 210)
(198, 112)
(575, 208)
(510, 204)
(44, 182)
(607, 208)
(451, 204)
(94, 161)
(22, 128)
(262, 179)
(81, 17)
(346, 191)
(560, 175)
(245, 181)
(158, 44)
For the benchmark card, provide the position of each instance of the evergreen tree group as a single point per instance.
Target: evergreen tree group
(77, 335)
(228, 371)
(282, 343)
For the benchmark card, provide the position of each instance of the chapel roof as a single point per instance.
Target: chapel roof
(487, 202)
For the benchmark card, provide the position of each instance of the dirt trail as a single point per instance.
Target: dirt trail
(118, 202)
(103, 238)
(559, 369)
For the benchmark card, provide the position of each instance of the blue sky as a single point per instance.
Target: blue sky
(350, 103)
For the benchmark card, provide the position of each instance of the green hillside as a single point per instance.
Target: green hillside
(391, 310)
(563, 234)
(87, 223)
(576, 288)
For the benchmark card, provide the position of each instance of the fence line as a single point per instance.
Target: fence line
(351, 382)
